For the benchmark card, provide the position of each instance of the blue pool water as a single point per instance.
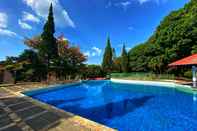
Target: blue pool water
(126, 107)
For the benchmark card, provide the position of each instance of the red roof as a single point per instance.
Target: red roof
(190, 60)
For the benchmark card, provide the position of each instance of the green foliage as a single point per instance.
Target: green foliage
(113, 54)
(9, 63)
(47, 55)
(93, 71)
(124, 60)
(174, 38)
(188, 74)
(194, 49)
(142, 76)
(48, 46)
(34, 42)
(69, 59)
(138, 60)
(107, 58)
(33, 69)
(117, 65)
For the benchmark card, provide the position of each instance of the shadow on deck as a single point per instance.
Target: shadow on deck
(21, 114)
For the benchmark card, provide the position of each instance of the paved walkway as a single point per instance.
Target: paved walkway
(25, 114)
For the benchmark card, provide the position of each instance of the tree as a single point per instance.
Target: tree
(33, 69)
(45, 44)
(93, 71)
(194, 49)
(47, 55)
(156, 64)
(174, 38)
(34, 42)
(48, 46)
(113, 54)
(107, 57)
(117, 65)
(124, 60)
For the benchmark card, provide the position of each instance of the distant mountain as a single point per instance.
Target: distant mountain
(174, 38)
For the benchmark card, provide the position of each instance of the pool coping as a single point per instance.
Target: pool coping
(179, 87)
(84, 122)
(48, 88)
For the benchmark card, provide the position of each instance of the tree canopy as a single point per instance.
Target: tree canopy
(48, 45)
(174, 38)
(107, 57)
(47, 54)
(124, 60)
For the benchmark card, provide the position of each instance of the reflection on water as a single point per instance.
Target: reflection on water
(194, 97)
(109, 109)
(128, 106)
(194, 104)
(94, 90)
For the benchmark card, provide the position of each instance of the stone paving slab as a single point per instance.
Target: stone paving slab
(38, 123)
(13, 128)
(11, 101)
(5, 120)
(26, 114)
(20, 106)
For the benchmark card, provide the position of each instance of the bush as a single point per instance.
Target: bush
(142, 76)
(93, 71)
(188, 74)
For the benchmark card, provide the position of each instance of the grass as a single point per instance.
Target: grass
(143, 76)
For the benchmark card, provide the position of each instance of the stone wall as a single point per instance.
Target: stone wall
(7, 77)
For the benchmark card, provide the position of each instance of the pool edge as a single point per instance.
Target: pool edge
(179, 87)
(84, 122)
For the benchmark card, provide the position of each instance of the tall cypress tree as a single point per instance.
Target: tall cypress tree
(124, 60)
(113, 54)
(48, 47)
(107, 57)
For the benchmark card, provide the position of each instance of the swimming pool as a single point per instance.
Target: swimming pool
(126, 107)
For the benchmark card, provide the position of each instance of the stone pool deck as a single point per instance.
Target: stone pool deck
(21, 113)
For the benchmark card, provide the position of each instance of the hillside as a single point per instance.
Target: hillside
(174, 38)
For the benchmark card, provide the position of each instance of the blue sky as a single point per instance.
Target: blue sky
(87, 23)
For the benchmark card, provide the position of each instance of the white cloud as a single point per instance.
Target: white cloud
(87, 53)
(143, 1)
(3, 20)
(7, 32)
(128, 49)
(3, 26)
(41, 8)
(156, 1)
(94, 51)
(66, 17)
(97, 51)
(93, 54)
(24, 25)
(125, 4)
(30, 17)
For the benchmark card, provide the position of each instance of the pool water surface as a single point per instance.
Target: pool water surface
(126, 107)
